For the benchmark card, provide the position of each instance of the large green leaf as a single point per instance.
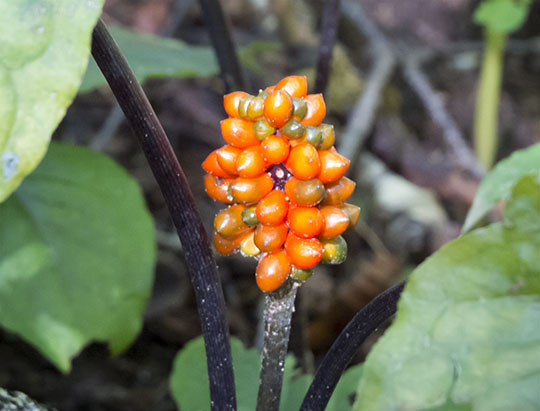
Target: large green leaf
(189, 380)
(76, 255)
(467, 330)
(502, 16)
(155, 57)
(498, 184)
(44, 49)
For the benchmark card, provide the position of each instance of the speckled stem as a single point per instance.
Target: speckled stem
(278, 309)
(181, 204)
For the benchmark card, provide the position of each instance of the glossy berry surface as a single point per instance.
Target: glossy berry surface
(283, 181)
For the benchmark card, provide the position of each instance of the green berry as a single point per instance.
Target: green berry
(334, 250)
(328, 136)
(262, 129)
(313, 136)
(243, 107)
(256, 108)
(300, 274)
(299, 108)
(293, 129)
(249, 217)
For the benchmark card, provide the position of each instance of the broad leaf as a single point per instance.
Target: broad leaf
(76, 255)
(189, 380)
(44, 49)
(502, 16)
(497, 185)
(466, 335)
(152, 56)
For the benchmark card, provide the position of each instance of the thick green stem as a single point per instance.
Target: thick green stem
(487, 101)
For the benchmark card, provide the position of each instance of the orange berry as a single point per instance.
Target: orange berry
(316, 110)
(296, 142)
(278, 108)
(238, 133)
(272, 270)
(270, 89)
(333, 166)
(303, 252)
(353, 212)
(336, 221)
(296, 86)
(275, 149)
(251, 190)
(226, 246)
(250, 162)
(272, 209)
(304, 162)
(217, 188)
(305, 222)
(270, 237)
(226, 158)
(231, 102)
(211, 165)
(304, 192)
(228, 222)
(339, 191)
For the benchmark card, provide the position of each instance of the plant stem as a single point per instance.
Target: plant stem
(347, 344)
(181, 204)
(218, 27)
(487, 100)
(330, 17)
(278, 309)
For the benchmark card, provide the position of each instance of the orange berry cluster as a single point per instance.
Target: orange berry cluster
(284, 181)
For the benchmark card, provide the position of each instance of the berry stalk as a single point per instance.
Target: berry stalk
(181, 204)
(278, 309)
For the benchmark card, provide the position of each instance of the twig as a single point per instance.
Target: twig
(347, 344)
(220, 33)
(278, 309)
(330, 17)
(363, 114)
(179, 198)
(410, 61)
(433, 103)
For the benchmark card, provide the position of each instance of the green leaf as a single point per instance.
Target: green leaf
(498, 184)
(155, 57)
(502, 16)
(44, 49)
(189, 380)
(77, 253)
(466, 334)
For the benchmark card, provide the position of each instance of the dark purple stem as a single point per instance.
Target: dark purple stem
(330, 17)
(179, 198)
(218, 27)
(347, 344)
